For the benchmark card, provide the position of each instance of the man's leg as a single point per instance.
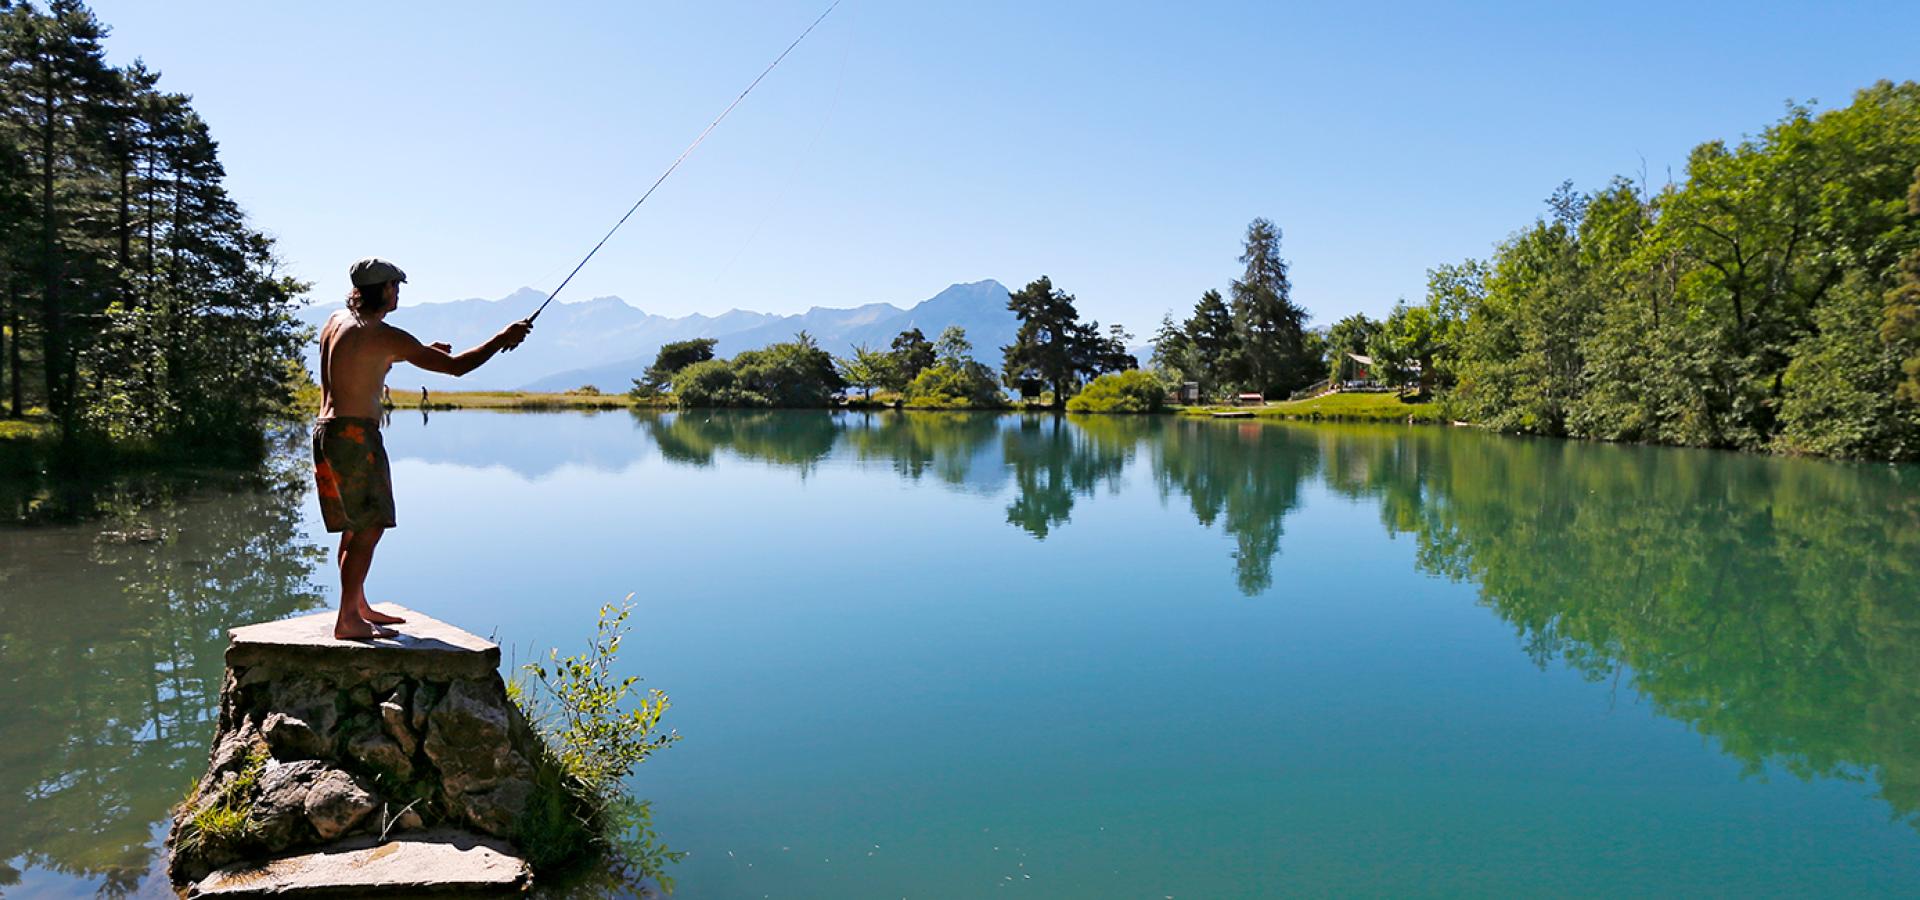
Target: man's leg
(356, 558)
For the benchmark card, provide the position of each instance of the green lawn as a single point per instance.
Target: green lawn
(1349, 407)
(510, 400)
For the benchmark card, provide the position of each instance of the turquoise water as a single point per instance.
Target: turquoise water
(962, 655)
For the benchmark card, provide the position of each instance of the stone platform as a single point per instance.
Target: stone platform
(326, 746)
(436, 862)
(425, 646)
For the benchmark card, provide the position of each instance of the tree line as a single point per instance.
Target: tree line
(136, 303)
(1770, 301)
(1053, 352)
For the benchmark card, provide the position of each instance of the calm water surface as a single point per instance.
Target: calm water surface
(966, 656)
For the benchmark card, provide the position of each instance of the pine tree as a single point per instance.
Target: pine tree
(1269, 324)
(1217, 353)
(1052, 345)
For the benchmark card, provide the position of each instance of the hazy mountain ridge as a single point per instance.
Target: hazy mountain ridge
(607, 342)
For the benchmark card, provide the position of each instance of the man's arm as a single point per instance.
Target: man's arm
(438, 358)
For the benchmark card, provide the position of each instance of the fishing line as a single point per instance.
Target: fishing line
(682, 158)
(839, 88)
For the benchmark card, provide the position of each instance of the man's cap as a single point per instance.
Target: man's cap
(374, 270)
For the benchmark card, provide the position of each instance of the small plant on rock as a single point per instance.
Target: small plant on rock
(594, 735)
(222, 823)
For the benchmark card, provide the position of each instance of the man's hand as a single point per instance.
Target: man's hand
(511, 336)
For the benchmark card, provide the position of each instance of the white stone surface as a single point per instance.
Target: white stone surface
(424, 646)
(455, 863)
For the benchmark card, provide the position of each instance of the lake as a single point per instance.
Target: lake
(966, 655)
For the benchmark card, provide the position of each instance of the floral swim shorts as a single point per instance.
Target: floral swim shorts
(350, 471)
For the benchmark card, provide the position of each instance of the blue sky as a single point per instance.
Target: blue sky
(1120, 148)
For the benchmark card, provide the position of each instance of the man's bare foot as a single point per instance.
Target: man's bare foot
(359, 630)
(379, 618)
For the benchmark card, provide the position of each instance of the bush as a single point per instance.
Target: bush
(796, 373)
(594, 739)
(968, 385)
(709, 383)
(1132, 391)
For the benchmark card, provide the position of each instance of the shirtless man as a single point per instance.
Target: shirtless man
(357, 347)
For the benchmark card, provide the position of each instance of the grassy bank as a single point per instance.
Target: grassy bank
(511, 400)
(1342, 407)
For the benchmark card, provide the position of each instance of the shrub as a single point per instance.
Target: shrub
(965, 385)
(1132, 391)
(593, 739)
(708, 383)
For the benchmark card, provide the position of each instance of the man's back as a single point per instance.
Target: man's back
(355, 355)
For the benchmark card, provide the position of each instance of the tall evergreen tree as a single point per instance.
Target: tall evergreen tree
(1270, 325)
(135, 294)
(1218, 356)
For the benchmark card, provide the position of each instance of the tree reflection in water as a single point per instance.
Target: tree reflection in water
(111, 638)
(1772, 604)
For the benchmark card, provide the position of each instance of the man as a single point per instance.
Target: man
(357, 347)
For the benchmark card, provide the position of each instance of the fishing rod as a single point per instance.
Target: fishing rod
(682, 158)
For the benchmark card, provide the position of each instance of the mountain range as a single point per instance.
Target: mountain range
(607, 342)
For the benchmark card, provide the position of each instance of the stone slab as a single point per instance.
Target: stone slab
(453, 863)
(425, 648)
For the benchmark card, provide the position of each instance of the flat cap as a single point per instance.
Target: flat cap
(374, 270)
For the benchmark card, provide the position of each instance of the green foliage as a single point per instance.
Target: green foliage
(795, 373)
(139, 305)
(672, 358)
(1900, 328)
(595, 733)
(1353, 334)
(910, 354)
(866, 369)
(952, 348)
(223, 822)
(1270, 326)
(1173, 354)
(1759, 305)
(598, 740)
(1052, 345)
(1215, 354)
(1135, 391)
(961, 384)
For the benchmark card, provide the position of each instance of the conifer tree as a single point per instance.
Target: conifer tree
(1052, 345)
(1270, 326)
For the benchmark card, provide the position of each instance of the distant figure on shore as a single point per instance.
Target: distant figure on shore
(357, 348)
(423, 392)
(386, 397)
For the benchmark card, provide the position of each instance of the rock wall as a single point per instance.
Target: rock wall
(317, 744)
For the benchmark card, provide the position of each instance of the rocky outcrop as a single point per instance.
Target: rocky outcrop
(322, 741)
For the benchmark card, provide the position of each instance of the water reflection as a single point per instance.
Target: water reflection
(111, 634)
(1772, 604)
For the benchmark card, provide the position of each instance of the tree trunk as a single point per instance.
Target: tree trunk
(13, 349)
(52, 328)
(7, 335)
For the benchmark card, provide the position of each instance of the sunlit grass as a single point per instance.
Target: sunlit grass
(1346, 406)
